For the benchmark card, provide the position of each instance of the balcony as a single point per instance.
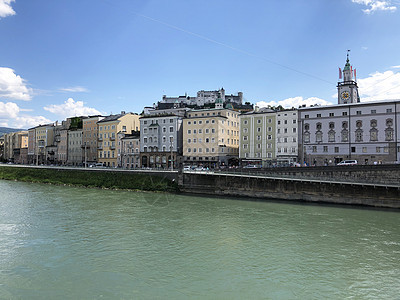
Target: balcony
(100, 139)
(112, 147)
(100, 148)
(112, 138)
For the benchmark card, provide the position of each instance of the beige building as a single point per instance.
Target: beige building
(13, 143)
(44, 137)
(211, 137)
(108, 129)
(90, 133)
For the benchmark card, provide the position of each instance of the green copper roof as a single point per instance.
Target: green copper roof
(219, 100)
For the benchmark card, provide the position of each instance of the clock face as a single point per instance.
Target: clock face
(345, 95)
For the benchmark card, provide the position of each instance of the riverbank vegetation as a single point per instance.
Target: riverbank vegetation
(93, 178)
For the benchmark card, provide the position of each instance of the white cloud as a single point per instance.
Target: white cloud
(379, 86)
(12, 86)
(8, 110)
(375, 5)
(395, 67)
(295, 102)
(71, 108)
(26, 121)
(75, 89)
(6, 9)
(10, 117)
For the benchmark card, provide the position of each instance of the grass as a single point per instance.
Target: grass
(100, 179)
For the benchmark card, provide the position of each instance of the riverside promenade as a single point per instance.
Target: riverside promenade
(375, 186)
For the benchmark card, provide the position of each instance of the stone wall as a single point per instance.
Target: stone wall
(291, 189)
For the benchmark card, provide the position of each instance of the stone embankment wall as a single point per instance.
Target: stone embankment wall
(309, 190)
(382, 174)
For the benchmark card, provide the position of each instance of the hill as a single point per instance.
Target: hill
(4, 130)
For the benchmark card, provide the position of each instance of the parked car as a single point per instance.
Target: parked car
(347, 163)
(187, 168)
(251, 167)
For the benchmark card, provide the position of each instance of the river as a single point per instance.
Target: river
(61, 242)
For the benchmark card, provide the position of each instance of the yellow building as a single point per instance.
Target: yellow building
(108, 128)
(44, 137)
(211, 137)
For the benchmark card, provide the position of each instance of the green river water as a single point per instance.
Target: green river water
(61, 242)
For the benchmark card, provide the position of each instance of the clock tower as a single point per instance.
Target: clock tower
(347, 89)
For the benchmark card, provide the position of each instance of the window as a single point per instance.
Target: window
(306, 116)
(306, 137)
(378, 149)
(364, 149)
(331, 114)
(331, 136)
(259, 129)
(164, 129)
(314, 149)
(258, 121)
(269, 129)
(389, 110)
(344, 113)
(189, 141)
(359, 135)
(294, 130)
(171, 129)
(245, 122)
(353, 149)
(358, 112)
(336, 149)
(389, 134)
(318, 115)
(373, 111)
(325, 148)
(189, 131)
(345, 135)
(318, 136)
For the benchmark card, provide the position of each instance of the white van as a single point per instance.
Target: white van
(347, 163)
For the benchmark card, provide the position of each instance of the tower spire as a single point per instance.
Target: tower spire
(347, 89)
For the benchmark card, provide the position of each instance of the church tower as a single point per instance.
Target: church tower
(347, 89)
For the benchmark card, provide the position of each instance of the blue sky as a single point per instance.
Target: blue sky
(64, 58)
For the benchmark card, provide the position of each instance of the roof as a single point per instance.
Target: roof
(111, 118)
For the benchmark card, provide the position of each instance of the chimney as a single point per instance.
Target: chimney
(122, 112)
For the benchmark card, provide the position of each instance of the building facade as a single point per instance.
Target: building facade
(129, 150)
(211, 137)
(287, 136)
(44, 137)
(90, 135)
(108, 129)
(367, 132)
(258, 138)
(75, 150)
(160, 141)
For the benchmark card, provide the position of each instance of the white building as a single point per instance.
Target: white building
(367, 132)
(160, 140)
(205, 97)
(287, 136)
